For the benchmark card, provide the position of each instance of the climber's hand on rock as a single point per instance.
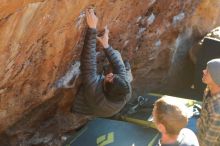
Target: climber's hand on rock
(104, 39)
(91, 18)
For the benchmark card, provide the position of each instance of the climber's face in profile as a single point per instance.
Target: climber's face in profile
(109, 78)
(108, 73)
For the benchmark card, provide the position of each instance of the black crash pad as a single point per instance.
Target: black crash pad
(105, 132)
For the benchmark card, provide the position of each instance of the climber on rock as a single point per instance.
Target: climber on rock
(101, 95)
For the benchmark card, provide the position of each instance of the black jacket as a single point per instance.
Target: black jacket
(91, 99)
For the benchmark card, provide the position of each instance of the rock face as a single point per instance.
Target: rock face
(41, 39)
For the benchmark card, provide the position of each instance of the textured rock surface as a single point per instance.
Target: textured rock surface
(40, 39)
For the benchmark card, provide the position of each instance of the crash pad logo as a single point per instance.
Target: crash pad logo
(106, 139)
